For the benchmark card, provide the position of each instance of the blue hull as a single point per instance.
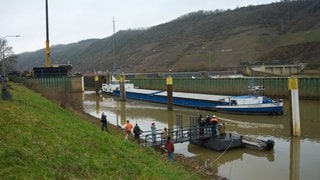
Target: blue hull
(276, 110)
(268, 107)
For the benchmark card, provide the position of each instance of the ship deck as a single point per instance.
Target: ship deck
(207, 97)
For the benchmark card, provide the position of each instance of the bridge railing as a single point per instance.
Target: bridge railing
(178, 135)
(153, 139)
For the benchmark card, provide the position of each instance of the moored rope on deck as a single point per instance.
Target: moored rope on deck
(212, 161)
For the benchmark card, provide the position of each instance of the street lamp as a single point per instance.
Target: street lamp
(3, 78)
(210, 57)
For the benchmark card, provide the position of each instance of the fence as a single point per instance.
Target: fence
(66, 83)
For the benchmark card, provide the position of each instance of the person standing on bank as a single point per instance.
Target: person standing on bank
(153, 132)
(104, 125)
(165, 134)
(169, 146)
(128, 127)
(137, 131)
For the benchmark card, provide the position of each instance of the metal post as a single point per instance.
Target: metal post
(169, 93)
(48, 62)
(96, 82)
(293, 86)
(82, 83)
(3, 83)
(122, 87)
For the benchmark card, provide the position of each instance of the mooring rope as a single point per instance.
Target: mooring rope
(212, 161)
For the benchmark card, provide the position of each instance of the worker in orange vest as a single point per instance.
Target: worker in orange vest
(213, 123)
(128, 127)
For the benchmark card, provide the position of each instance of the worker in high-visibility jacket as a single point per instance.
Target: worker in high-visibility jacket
(213, 124)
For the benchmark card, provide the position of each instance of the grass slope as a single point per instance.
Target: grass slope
(40, 140)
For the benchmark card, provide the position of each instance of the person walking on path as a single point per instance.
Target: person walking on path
(128, 127)
(104, 121)
(137, 131)
(169, 146)
(153, 132)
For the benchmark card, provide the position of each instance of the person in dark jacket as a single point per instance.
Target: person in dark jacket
(154, 133)
(207, 124)
(137, 131)
(104, 125)
(169, 146)
(199, 118)
(202, 124)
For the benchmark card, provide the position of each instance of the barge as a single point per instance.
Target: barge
(245, 104)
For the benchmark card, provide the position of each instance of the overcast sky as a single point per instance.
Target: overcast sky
(75, 20)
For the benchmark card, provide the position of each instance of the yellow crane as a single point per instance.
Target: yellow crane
(48, 63)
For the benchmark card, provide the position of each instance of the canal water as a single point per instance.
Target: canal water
(292, 157)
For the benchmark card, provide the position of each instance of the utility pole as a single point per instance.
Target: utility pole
(114, 39)
(114, 47)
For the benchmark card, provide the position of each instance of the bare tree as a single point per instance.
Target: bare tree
(7, 56)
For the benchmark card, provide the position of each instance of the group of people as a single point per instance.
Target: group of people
(209, 125)
(169, 145)
(136, 130)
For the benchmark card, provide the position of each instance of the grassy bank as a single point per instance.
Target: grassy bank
(40, 139)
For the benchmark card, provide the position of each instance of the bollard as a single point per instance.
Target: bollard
(295, 111)
(169, 93)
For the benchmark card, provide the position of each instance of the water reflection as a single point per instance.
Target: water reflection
(282, 163)
(123, 112)
(234, 155)
(294, 158)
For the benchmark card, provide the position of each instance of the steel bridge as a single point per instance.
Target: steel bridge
(207, 136)
(179, 134)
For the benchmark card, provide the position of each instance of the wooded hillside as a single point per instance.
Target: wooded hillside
(288, 32)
